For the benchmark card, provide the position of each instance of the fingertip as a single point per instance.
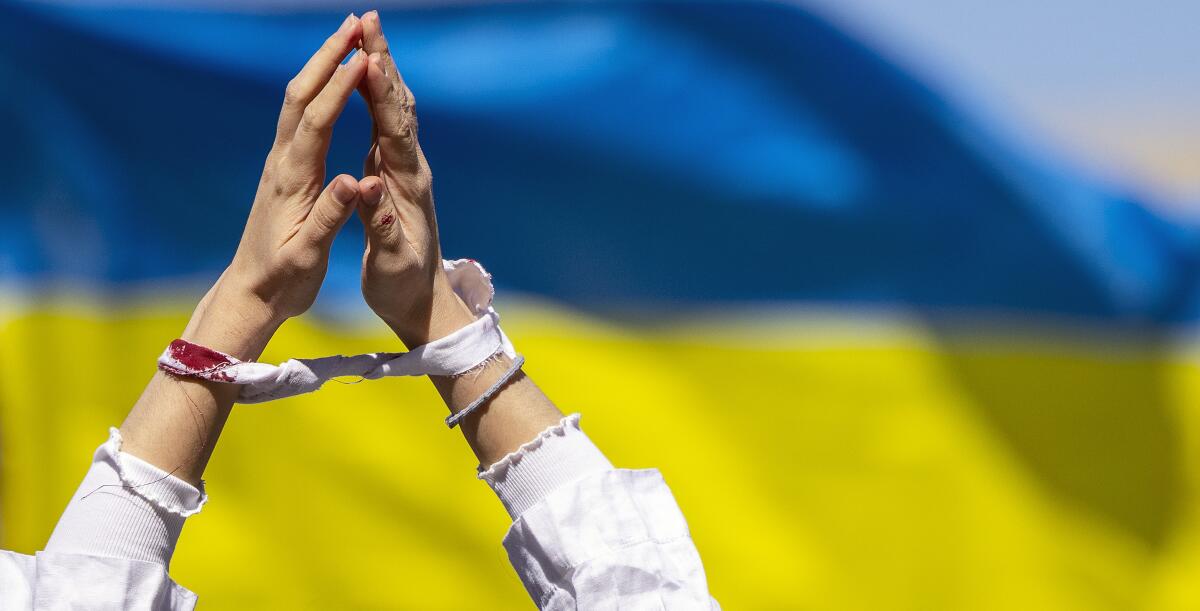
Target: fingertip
(356, 64)
(371, 28)
(371, 190)
(374, 75)
(345, 189)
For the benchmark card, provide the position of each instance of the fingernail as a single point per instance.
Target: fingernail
(346, 23)
(371, 192)
(372, 14)
(343, 191)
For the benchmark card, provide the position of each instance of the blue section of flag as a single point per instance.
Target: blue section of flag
(608, 155)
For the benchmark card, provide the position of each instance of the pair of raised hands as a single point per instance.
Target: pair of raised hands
(284, 252)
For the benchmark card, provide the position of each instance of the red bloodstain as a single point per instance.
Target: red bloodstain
(197, 358)
(386, 220)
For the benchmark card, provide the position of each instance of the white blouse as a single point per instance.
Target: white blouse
(584, 535)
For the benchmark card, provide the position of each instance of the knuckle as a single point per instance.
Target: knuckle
(291, 93)
(268, 173)
(399, 144)
(313, 122)
(331, 45)
(324, 219)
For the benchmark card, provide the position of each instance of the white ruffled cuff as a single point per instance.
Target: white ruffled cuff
(559, 455)
(126, 508)
(156, 486)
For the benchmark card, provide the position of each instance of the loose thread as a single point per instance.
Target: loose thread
(129, 486)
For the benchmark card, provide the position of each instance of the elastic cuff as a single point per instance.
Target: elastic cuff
(161, 489)
(125, 508)
(558, 455)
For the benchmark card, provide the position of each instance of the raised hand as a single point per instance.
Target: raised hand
(284, 251)
(276, 272)
(402, 275)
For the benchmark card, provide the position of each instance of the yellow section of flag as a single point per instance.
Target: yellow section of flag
(822, 463)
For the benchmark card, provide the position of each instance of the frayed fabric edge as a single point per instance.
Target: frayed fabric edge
(477, 369)
(112, 449)
(466, 349)
(500, 467)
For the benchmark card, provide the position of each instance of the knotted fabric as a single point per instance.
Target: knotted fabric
(454, 354)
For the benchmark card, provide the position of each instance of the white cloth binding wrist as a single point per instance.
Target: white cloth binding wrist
(454, 354)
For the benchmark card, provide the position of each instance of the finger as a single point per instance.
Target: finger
(392, 103)
(366, 96)
(311, 142)
(373, 40)
(311, 79)
(395, 116)
(332, 209)
(369, 165)
(379, 217)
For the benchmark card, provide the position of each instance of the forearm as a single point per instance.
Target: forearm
(175, 423)
(275, 273)
(517, 413)
(146, 479)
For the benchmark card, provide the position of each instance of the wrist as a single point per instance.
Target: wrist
(233, 321)
(445, 314)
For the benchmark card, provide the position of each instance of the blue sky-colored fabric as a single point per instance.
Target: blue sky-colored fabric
(609, 155)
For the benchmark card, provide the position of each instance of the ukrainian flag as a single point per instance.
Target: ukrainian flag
(885, 358)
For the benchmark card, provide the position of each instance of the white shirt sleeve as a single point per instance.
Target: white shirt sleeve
(113, 544)
(588, 536)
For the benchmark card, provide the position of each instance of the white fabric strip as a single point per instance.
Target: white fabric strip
(454, 354)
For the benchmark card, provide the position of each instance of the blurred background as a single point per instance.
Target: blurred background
(900, 297)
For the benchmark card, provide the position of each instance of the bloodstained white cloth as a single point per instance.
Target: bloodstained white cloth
(587, 536)
(454, 354)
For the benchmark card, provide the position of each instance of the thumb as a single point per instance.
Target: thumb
(331, 210)
(379, 217)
